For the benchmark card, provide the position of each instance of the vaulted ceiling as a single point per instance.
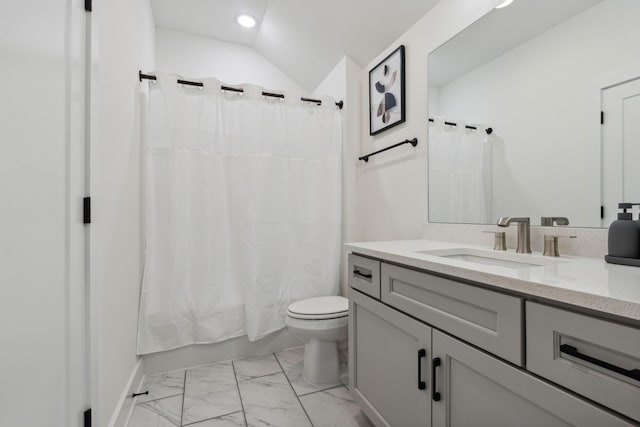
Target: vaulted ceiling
(304, 38)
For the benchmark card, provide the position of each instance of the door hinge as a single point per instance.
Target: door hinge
(87, 418)
(88, 5)
(86, 210)
(601, 117)
(601, 212)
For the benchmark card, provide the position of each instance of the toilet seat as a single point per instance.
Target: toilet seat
(320, 308)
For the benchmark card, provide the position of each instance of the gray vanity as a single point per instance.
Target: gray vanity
(446, 342)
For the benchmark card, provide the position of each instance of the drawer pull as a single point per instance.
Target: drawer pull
(435, 394)
(422, 353)
(572, 351)
(362, 275)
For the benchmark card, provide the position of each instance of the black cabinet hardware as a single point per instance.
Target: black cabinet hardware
(573, 351)
(435, 395)
(422, 353)
(362, 274)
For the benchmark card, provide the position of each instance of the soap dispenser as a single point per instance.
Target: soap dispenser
(624, 238)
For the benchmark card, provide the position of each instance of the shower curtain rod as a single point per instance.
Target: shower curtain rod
(141, 76)
(489, 131)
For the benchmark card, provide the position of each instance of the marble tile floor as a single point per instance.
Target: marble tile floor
(267, 390)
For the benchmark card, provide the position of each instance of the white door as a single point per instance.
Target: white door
(620, 147)
(43, 357)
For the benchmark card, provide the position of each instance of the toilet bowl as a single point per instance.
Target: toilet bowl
(320, 323)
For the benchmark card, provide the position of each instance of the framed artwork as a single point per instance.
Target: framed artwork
(386, 93)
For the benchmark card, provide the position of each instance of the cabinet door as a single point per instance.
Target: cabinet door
(478, 390)
(389, 355)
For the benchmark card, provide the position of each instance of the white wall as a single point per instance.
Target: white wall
(343, 83)
(41, 262)
(194, 56)
(538, 98)
(123, 44)
(393, 185)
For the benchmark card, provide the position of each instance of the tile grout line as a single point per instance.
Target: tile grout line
(258, 376)
(235, 375)
(293, 390)
(184, 392)
(213, 418)
(321, 389)
(159, 398)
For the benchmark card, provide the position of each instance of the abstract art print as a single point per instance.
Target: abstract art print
(386, 93)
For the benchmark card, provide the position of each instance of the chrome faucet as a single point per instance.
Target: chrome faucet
(524, 232)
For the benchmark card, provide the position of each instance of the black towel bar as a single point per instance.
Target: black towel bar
(413, 142)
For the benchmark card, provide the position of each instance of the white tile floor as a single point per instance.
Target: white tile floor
(261, 391)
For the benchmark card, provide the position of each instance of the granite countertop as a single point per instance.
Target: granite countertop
(589, 283)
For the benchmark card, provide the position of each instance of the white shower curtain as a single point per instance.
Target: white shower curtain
(242, 212)
(459, 174)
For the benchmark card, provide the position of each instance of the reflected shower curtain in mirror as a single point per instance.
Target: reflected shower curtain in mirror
(459, 174)
(242, 213)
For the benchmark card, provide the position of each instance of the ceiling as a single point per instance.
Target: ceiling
(498, 32)
(304, 38)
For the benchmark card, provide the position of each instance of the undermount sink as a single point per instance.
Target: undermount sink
(498, 259)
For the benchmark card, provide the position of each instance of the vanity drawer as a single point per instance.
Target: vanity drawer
(592, 357)
(364, 275)
(487, 319)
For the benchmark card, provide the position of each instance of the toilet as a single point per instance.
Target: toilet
(320, 323)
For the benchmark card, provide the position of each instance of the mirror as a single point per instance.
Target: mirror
(538, 73)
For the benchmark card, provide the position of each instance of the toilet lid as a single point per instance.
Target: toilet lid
(320, 308)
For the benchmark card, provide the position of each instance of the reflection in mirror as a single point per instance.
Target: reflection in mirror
(538, 72)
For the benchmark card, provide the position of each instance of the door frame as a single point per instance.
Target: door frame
(78, 372)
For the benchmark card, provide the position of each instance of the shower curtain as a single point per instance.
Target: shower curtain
(242, 211)
(459, 174)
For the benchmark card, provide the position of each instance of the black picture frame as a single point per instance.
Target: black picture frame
(387, 87)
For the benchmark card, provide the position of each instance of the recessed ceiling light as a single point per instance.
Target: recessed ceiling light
(247, 21)
(504, 4)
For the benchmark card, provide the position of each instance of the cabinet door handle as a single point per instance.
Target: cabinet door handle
(422, 353)
(362, 275)
(572, 351)
(435, 395)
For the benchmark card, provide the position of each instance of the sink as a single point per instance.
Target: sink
(499, 259)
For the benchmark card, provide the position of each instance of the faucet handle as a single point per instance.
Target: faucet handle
(551, 244)
(500, 242)
(548, 221)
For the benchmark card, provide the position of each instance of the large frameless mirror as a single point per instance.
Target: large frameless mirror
(538, 73)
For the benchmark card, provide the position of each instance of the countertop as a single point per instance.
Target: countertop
(588, 283)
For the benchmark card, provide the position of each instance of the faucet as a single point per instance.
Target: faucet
(524, 232)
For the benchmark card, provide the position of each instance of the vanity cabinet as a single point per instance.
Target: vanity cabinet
(410, 366)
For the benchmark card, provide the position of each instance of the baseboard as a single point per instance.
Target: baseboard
(202, 354)
(122, 413)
